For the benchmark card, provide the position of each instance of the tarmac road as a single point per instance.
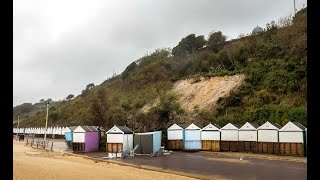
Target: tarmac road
(212, 166)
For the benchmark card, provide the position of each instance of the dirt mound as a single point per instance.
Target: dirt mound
(205, 92)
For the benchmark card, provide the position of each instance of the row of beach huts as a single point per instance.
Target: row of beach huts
(269, 138)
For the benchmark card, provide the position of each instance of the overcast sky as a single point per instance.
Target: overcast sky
(60, 46)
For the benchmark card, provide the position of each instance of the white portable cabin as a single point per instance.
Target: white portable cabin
(268, 132)
(192, 140)
(229, 132)
(210, 132)
(119, 135)
(248, 132)
(175, 137)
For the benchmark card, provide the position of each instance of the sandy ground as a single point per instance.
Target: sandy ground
(31, 163)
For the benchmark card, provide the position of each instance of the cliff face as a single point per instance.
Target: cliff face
(206, 92)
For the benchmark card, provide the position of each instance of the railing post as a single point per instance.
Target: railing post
(51, 145)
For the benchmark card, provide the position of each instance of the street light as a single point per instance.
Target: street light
(45, 132)
(18, 127)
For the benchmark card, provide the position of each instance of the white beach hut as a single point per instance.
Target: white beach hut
(248, 137)
(292, 139)
(229, 137)
(268, 138)
(175, 135)
(210, 138)
(119, 139)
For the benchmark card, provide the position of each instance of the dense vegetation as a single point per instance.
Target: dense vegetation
(273, 61)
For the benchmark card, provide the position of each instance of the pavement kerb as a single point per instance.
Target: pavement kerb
(260, 156)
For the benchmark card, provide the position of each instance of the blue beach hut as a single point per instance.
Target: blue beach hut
(192, 138)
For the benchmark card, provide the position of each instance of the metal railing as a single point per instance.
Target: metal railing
(41, 144)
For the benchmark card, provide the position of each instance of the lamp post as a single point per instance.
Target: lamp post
(45, 132)
(18, 127)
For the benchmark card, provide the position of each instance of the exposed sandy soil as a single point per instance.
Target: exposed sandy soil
(30, 163)
(203, 94)
(206, 92)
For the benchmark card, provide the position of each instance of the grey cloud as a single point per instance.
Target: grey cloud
(119, 34)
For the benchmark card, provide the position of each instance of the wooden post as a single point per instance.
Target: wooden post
(27, 142)
(51, 145)
(37, 144)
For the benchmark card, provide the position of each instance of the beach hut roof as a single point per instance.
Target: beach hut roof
(230, 126)
(193, 126)
(293, 126)
(211, 127)
(269, 125)
(175, 127)
(120, 129)
(85, 129)
(72, 128)
(249, 126)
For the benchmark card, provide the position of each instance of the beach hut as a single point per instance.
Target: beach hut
(85, 139)
(149, 142)
(68, 135)
(38, 132)
(268, 138)
(63, 131)
(192, 140)
(248, 137)
(175, 135)
(229, 137)
(59, 134)
(119, 138)
(210, 138)
(292, 139)
(42, 131)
